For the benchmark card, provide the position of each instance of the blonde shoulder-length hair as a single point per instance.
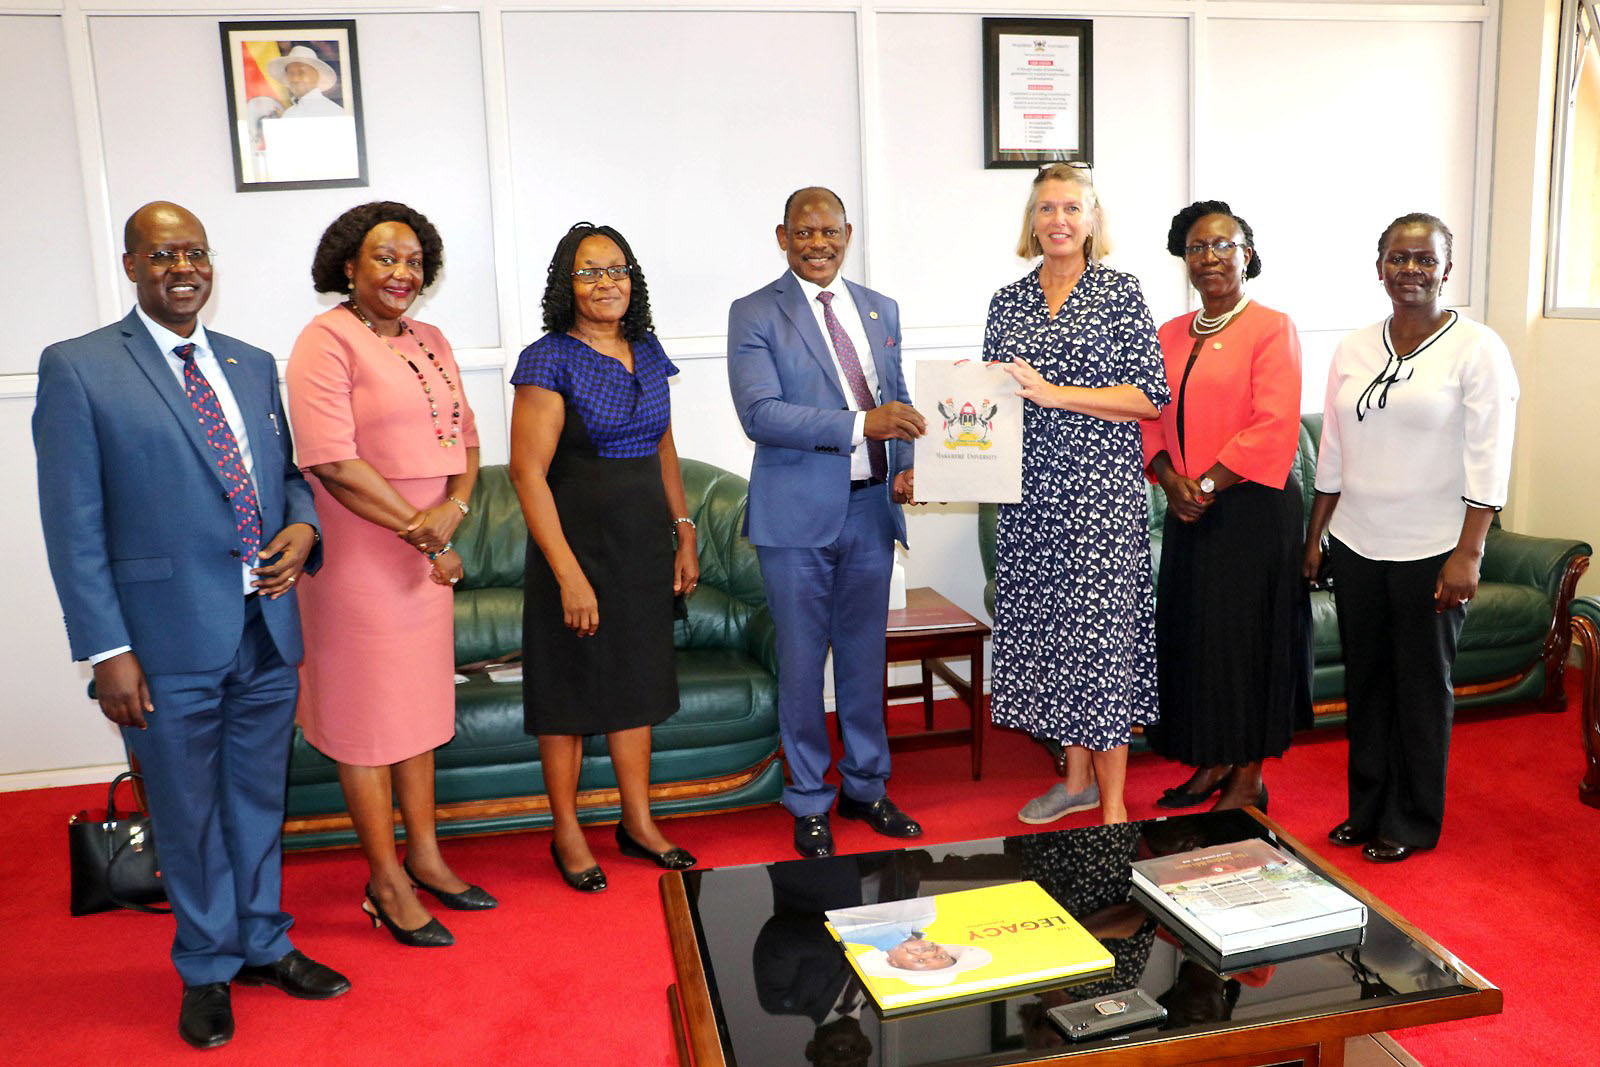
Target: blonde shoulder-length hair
(1097, 244)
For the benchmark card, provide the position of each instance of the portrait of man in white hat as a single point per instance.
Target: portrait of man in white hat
(308, 79)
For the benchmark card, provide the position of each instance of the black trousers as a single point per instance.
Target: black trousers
(1398, 653)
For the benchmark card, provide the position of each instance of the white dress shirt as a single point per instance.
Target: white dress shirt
(850, 319)
(206, 360)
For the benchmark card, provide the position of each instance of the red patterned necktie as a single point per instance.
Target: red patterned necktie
(877, 455)
(241, 490)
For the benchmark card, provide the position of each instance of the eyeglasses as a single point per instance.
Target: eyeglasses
(1076, 164)
(592, 274)
(166, 259)
(1218, 248)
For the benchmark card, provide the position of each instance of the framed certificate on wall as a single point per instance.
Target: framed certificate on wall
(1038, 92)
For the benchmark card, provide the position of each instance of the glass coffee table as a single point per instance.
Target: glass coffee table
(761, 982)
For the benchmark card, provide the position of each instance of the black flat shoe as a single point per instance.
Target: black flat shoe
(297, 975)
(471, 898)
(430, 934)
(1348, 834)
(813, 837)
(1179, 797)
(1382, 850)
(881, 815)
(589, 880)
(673, 859)
(206, 1018)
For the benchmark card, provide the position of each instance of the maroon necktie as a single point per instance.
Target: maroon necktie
(877, 455)
(241, 490)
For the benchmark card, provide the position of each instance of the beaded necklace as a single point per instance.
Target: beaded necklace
(433, 401)
(1205, 327)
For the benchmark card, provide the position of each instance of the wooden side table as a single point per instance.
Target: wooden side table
(930, 629)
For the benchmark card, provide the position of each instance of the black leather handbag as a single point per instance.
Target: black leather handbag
(113, 859)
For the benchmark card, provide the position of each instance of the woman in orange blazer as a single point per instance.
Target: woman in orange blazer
(1233, 627)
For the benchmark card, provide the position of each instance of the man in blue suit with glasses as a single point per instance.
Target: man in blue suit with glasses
(176, 525)
(814, 365)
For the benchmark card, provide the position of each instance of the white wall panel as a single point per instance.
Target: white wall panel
(946, 229)
(46, 231)
(1320, 133)
(425, 146)
(686, 130)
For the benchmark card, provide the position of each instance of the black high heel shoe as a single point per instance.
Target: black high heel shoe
(673, 859)
(431, 934)
(1179, 797)
(472, 898)
(589, 880)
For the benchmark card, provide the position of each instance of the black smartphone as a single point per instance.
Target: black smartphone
(1104, 1015)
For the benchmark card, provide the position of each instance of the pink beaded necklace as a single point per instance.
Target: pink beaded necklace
(427, 389)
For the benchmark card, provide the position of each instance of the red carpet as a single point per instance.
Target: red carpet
(552, 977)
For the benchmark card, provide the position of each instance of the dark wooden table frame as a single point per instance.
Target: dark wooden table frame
(1318, 1041)
(931, 647)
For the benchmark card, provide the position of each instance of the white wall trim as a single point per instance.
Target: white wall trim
(93, 775)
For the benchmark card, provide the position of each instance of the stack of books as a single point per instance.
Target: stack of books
(1248, 903)
(974, 944)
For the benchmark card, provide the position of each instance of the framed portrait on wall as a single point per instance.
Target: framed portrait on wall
(294, 104)
(1038, 92)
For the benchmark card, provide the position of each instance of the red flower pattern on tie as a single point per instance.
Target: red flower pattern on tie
(877, 454)
(241, 490)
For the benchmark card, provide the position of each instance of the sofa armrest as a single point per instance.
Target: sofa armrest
(761, 640)
(1521, 559)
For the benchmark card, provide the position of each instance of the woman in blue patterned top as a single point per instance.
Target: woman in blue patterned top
(1074, 611)
(594, 466)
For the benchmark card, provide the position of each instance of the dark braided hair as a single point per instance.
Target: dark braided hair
(1178, 232)
(1418, 218)
(341, 242)
(561, 307)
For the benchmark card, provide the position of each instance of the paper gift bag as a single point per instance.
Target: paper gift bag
(973, 448)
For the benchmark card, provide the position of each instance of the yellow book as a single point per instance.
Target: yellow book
(969, 945)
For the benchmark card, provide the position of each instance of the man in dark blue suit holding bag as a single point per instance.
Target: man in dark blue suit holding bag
(814, 365)
(176, 525)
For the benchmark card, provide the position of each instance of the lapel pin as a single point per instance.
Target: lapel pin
(889, 341)
(232, 360)
(872, 314)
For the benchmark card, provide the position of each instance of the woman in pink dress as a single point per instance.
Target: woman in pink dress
(381, 419)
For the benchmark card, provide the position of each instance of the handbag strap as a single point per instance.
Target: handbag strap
(115, 853)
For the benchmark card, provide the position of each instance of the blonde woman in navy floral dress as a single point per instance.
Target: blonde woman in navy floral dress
(611, 541)
(1074, 633)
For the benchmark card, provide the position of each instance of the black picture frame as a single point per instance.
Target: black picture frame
(1040, 31)
(274, 147)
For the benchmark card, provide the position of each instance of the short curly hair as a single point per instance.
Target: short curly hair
(1183, 221)
(341, 241)
(561, 306)
(1418, 218)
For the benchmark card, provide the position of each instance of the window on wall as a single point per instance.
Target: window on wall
(1573, 283)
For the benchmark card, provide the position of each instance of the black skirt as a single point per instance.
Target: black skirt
(1233, 629)
(615, 517)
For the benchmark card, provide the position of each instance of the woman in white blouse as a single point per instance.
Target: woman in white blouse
(1414, 462)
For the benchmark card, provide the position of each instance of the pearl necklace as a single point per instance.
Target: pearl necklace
(433, 402)
(1205, 327)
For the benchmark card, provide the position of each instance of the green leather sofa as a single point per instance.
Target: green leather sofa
(1515, 641)
(1586, 633)
(718, 752)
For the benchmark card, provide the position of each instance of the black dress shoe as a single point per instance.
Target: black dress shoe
(1179, 797)
(297, 975)
(588, 880)
(1348, 833)
(471, 898)
(1382, 850)
(673, 859)
(813, 837)
(431, 934)
(881, 815)
(206, 1018)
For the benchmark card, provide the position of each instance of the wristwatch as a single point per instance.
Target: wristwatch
(1208, 485)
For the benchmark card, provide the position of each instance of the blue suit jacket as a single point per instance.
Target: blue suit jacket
(791, 405)
(137, 523)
